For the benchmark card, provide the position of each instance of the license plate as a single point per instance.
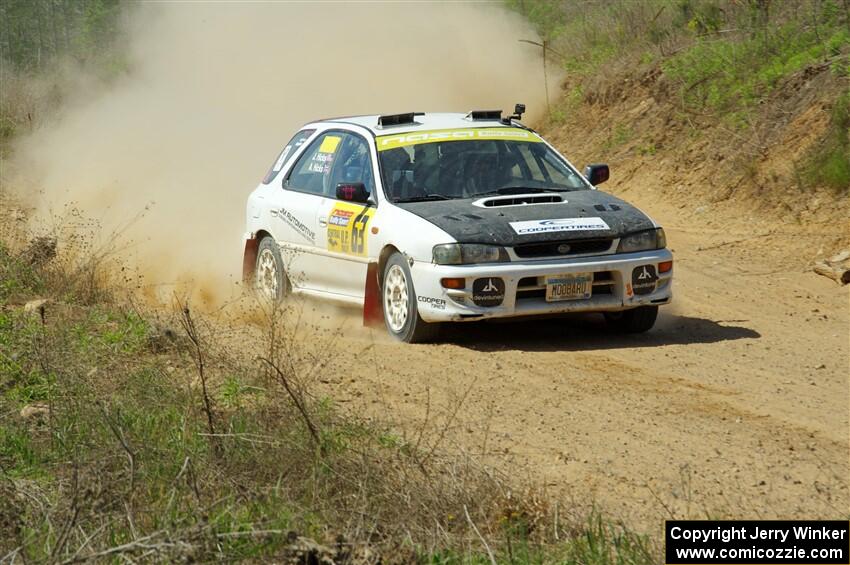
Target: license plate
(575, 286)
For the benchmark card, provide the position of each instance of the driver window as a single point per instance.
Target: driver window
(332, 158)
(353, 163)
(312, 172)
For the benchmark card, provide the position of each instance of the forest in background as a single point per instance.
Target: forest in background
(34, 32)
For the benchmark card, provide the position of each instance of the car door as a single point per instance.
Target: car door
(344, 227)
(296, 213)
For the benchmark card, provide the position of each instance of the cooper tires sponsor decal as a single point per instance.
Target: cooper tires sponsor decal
(347, 225)
(558, 225)
(644, 279)
(435, 303)
(488, 291)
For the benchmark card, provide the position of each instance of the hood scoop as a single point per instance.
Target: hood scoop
(519, 200)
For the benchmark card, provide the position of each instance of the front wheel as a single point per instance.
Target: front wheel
(401, 314)
(634, 321)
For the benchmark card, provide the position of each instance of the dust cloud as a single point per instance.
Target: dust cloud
(214, 90)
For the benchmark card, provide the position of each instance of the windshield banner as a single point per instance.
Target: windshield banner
(507, 134)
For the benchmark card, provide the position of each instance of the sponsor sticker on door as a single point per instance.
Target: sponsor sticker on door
(558, 225)
(347, 225)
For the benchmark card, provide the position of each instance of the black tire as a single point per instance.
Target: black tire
(273, 285)
(634, 321)
(410, 328)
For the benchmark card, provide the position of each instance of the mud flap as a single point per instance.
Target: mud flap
(373, 315)
(249, 261)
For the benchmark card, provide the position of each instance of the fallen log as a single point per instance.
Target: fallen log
(840, 274)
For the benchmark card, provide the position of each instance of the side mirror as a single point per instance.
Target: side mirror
(596, 174)
(352, 192)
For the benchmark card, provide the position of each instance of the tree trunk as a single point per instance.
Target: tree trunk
(53, 33)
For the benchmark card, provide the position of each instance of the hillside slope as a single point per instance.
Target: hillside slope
(734, 113)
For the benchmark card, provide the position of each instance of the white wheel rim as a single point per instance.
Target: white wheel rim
(267, 274)
(396, 300)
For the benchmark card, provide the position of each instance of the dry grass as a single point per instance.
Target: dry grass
(158, 435)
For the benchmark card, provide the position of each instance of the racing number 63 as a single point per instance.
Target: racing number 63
(358, 232)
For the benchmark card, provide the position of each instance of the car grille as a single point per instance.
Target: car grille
(550, 248)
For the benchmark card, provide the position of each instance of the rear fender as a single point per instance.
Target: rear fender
(249, 259)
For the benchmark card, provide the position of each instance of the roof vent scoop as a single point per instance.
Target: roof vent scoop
(488, 115)
(398, 119)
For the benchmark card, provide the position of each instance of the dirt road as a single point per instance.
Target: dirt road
(736, 404)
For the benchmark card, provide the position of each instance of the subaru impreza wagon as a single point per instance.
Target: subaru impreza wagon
(421, 219)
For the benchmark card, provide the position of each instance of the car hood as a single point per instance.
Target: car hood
(583, 214)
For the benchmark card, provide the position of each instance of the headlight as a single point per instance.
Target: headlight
(466, 253)
(643, 241)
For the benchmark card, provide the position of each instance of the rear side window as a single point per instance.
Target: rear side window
(297, 140)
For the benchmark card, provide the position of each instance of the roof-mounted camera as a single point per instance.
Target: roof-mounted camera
(519, 110)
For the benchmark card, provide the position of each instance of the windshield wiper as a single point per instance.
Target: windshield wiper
(424, 198)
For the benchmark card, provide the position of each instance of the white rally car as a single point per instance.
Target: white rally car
(427, 218)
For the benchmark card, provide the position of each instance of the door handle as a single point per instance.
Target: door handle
(273, 212)
(323, 221)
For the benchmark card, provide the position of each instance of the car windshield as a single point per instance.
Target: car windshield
(468, 163)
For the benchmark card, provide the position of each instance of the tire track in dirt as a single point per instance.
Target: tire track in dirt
(735, 405)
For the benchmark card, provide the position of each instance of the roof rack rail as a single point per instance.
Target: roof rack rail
(398, 119)
(484, 115)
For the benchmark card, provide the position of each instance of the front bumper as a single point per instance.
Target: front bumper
(525, 291)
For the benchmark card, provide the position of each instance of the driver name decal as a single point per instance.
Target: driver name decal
(558, 225)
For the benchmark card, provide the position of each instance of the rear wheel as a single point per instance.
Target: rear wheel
(398, 297)
(270, 278)
(634, 321)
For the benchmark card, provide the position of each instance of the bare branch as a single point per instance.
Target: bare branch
(483, 541)
(191, 330)
(296, 400)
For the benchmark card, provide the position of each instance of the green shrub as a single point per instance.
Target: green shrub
(736, 74)
(829, 163)
(17, 276)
